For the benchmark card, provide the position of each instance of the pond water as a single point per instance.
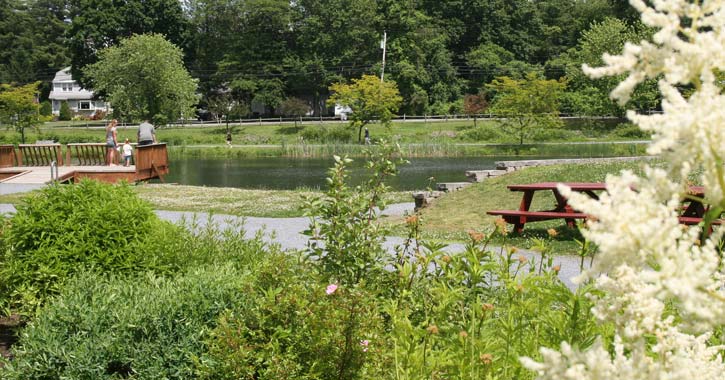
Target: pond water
(292, 173)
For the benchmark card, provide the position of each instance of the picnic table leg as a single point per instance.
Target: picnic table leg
(563, 205)
(524, 206)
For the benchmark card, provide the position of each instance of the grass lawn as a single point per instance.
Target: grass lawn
(223, 200)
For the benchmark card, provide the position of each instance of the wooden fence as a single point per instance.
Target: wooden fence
(39, 154)
(85, 154)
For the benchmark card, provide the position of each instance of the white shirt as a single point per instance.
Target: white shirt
(127, 149)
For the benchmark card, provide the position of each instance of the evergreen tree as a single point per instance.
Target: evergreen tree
(64, 114)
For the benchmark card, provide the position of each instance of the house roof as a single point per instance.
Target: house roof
(64, 76)
(71, 95)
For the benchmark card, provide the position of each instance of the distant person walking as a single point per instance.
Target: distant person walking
(367, 136)
(111, 141)
(229, 138)
(146, 134)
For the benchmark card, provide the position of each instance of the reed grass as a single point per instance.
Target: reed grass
(414, 150)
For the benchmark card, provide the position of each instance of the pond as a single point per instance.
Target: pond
(292, 173)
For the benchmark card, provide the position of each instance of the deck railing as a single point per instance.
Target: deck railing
(85, 154)
(39, 154)
(151, 161)
(7, 156)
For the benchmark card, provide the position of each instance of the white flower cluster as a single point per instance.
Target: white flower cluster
(646, 258)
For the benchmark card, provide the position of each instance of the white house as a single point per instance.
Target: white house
(80, 101)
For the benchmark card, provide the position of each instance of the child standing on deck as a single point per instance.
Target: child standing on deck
(127, 153)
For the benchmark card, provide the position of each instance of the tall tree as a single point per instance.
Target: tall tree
(99, 24)
(333, 40)
(32, 40)
(19, 107)
(15, 55)
(211, 23)
(419, 60)
(144, 77)
(50, 49)
(253, 66)
(590, 96)
(368, 98)
(528, 104)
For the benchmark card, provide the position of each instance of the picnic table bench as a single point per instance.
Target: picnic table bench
(692, 210)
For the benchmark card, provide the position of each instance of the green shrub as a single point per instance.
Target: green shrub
(327, 134)
(65, 229)
(631, 131)
(64, 114)
(290, 328)
(550, 134)
(45, 108)
(144, 327)
(484, 132)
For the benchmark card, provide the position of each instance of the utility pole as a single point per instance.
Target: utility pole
(382, 46)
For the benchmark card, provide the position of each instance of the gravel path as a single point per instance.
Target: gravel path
(287, 232)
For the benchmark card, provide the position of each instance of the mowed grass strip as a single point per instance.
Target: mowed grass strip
(225, 200)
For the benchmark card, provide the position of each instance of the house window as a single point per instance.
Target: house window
(67, 86)
(84, 105)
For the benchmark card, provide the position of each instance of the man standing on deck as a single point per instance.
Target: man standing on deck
(146, 134)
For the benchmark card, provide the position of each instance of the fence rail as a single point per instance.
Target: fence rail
(39, 154)
(85, 154)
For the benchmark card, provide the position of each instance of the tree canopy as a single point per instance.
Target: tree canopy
(262, 52)
(528, 104)
(368, 98)
(19, 107)
(144, 78)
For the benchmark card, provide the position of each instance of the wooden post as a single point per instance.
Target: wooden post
(59, 155)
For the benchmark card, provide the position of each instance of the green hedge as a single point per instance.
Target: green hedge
(147, 327)
(65, 229)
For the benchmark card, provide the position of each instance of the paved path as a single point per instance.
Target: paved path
(287, 232)
(6, 188)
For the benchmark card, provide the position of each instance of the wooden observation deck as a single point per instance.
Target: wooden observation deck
(44, 163)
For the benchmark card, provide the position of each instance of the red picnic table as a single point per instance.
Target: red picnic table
(692, 210)
(562, 209)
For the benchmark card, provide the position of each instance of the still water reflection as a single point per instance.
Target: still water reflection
(289, 173)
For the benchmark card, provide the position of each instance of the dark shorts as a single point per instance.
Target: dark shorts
(145, 142)
(110, 145)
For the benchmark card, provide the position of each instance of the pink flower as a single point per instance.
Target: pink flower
(364, 343)
(331, 289)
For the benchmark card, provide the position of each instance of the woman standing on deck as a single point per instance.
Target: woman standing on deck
(111, 141)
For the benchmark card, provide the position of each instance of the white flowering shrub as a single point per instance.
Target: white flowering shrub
(647, 260)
